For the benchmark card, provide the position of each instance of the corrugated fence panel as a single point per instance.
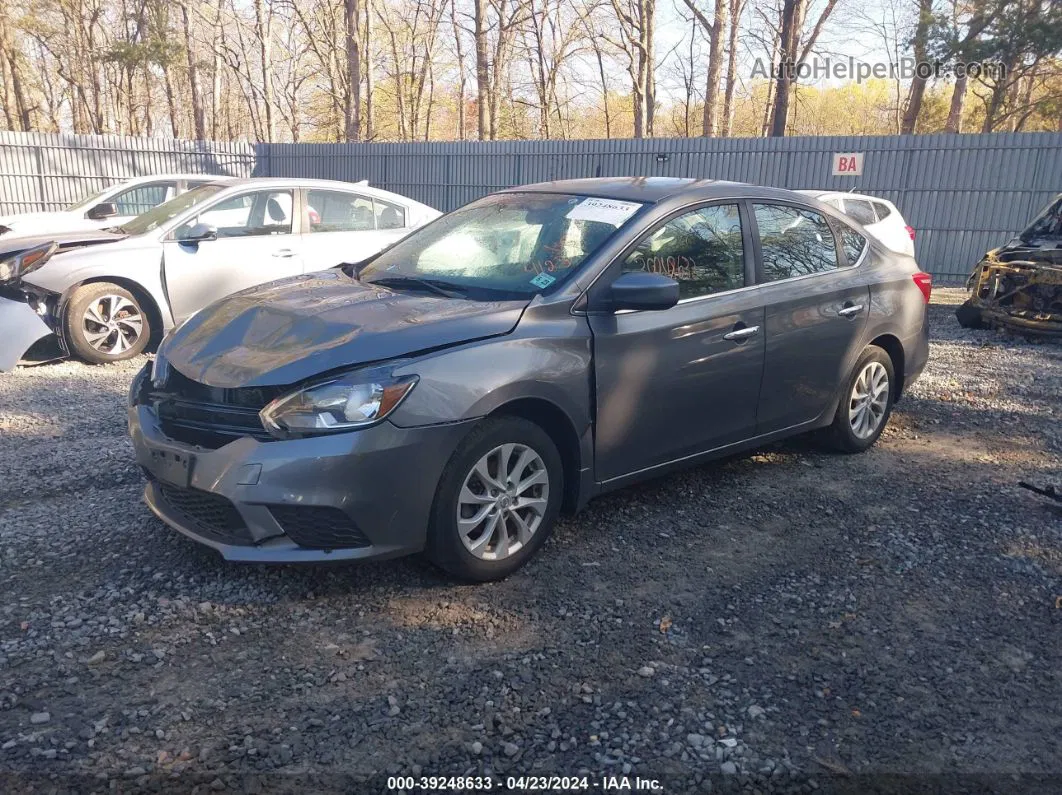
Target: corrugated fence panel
(963, 193)
(45, 171)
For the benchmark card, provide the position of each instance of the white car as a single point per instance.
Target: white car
(107, 292)
(111, 206)
(878, 216)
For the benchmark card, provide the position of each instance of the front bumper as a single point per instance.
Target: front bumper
(350, 496)
(20, 328)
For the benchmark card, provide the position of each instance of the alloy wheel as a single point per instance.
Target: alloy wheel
(502, 501)
(112, 324)
(869, 400)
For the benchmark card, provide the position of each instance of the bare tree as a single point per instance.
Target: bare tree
(352, 100)
(713, 29)
(736, 9)
(637, 25)
(795, 44)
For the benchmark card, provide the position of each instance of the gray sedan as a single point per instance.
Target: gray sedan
(107, 292)
(515, 358)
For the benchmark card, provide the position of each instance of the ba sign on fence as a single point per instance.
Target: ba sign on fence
(848, 164)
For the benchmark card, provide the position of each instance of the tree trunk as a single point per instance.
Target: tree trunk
(958, 95)
(461, 82)
(198, 112)
(264, 30)
(484, 120)
(918, 84)
(604, 86)
(370, 127)
(215, 87)
(649, 49)
(791, 14)
(715, 66)
(352, 100)
(171, 103)
(731, 67)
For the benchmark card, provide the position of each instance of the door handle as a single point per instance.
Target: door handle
(739, 334)
(284, 252)
(849, 311)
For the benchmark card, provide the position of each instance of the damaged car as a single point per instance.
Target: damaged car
(517, 357)
(106, 294)
(1019, 285)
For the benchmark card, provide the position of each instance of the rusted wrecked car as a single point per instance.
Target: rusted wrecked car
(1019, 285)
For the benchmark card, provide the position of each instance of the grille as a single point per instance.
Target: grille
(209, 417)
(318, 527)
(213, 515)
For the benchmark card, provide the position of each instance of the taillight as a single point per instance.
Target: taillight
(925, 284)
(910, 231)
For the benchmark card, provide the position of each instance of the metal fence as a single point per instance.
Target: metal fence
(963, 193)
(40, 171)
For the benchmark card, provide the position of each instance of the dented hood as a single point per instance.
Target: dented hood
(288, 331)
(11, 245)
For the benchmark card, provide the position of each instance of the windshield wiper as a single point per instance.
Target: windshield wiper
(437, 286)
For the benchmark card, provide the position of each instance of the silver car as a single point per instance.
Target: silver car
(113, 205)
(107, 293)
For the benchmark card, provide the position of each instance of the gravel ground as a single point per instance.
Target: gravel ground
(788, 620)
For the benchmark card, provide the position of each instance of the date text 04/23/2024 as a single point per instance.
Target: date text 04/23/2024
(524, 784)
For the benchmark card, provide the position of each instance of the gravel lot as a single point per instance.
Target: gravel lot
(784, 621)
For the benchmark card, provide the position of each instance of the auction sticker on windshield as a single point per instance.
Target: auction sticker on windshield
(543, 280)
(605, 211)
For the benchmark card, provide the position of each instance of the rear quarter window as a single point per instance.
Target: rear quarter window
(860, 210)
(853, 244)
(883, 210)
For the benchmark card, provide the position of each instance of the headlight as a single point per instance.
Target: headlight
(345, 403)
(160, 368)
(26, 262)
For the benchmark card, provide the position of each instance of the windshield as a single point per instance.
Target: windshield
(509, 245)
(155, 217)
(91, 199)
(1047, 224)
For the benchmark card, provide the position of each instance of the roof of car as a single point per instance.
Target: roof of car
(818, 194)
(653, 189)
(299, 182)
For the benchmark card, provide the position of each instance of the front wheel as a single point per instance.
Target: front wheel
(105, 323)
(866, 403)
(497, 501)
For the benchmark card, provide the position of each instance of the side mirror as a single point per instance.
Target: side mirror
(198, 233)
(103, 210)
(642, 291)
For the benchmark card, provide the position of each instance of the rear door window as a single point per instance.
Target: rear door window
(794, 241)
(339, 211)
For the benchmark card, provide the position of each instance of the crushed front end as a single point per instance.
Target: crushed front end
(1018, 288)
(28, 314)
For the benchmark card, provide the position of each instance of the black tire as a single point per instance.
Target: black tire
(969, 316)
(840, 435)
(77, 334)
(444, 546)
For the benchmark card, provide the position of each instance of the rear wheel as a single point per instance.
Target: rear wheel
(497, 501)
(866, 403)
(105, 323)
